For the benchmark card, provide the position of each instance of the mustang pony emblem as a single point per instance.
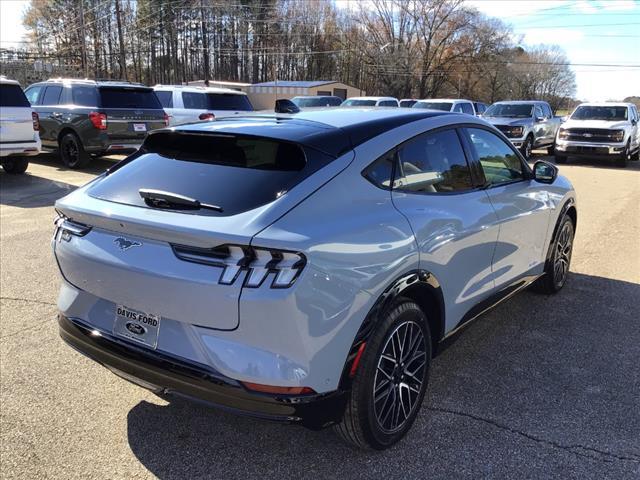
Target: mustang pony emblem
(124, 244)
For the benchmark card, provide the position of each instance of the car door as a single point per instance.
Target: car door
(50, 116)
(521, 204)
(454, 222)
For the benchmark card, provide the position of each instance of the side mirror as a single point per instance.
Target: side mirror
(540, 119)
(544, 172)
(634, 122)
(286, 106)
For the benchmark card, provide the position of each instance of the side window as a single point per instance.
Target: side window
(467, 108)
(33, 94)
(196, 101)
(51, 95)
(84, 96)
(335, 102)
(546, 109)
(499, 162)
(458, 108)
(538, 112)
(432, 163)
(165, 97)
(380, 172)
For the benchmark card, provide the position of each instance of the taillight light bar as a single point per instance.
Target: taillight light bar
(207, 116)
(259, 263)
(99, 120)
(65, 228)
(36, 121)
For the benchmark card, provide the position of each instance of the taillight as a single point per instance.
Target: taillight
(99, 120)
(166, 119)
(207, 116)
(259, 263)
(36, 121)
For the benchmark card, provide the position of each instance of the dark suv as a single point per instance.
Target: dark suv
(81, 118)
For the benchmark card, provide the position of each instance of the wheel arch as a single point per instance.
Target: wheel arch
(420, 286)
(568, 209)
(64, 131)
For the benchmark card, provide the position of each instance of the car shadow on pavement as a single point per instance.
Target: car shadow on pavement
(31, 191)
(540, 386)
(96, 167)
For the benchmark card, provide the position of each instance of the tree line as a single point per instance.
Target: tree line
(402, 48)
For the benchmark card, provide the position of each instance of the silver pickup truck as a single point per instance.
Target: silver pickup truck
(528, 124)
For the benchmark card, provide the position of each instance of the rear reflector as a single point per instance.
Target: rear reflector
(356, 361)
(36, 121)
(257, 387)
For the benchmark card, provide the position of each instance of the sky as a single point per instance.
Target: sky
(601, 32)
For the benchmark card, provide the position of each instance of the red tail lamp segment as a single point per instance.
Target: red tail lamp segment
(99, 120)
(257, 387)
(356, 361)
(207, 116)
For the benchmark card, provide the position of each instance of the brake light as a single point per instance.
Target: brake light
(99, 120)
(207, 116)
(259, 263)
(166, 119)
(257, 387)
(36, 121)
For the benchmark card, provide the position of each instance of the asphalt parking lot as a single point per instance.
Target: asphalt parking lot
(541, 387)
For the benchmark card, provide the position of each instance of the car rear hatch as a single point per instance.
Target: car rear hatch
(16, 120)
(131, 112)
(165, 257)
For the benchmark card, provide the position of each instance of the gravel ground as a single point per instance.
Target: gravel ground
(541, 387)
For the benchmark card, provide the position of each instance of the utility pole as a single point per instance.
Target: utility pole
(205, 44)
(83, 45)
(123, 61)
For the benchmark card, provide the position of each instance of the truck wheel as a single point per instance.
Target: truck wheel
(622, 160)
(15, 165)
(527, 147)
(636, 156)
(390, 383)
(560, 158)
(72, 152)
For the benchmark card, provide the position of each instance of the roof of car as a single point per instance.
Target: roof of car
(445, 100)
(199, 89)
(97, 83)
(316, 96)
(8, 81)
(372, 98)
(606, 104)
(332, 131)
(520, 101)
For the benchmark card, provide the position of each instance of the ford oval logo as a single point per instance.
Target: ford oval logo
(136, 328)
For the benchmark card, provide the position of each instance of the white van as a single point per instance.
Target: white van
(19, 126)
(188, 104)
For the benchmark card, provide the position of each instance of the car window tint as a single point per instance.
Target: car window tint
(388, 103)
(195, 101)
(380, 172)
(547, 111)
(538, 112)
(458, 108)
(128, 97)
(433, 162)
(84, 96)
(467, 108)
(228, 101)
(165, 97)
(51, 95)
(33, 94)
(11, 95)
(499, 162)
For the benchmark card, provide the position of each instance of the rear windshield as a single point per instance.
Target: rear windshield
(228, 101)
(510, 110)
(407, 103)
(359, 103)
(238, 173)
(444, 106)
(11, 95)
(586, 112)
(119, 97)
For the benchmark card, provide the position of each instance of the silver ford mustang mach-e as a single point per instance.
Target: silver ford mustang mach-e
(305, 267)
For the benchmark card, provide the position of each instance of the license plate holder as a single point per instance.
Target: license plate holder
(137, 326)
(139, 127)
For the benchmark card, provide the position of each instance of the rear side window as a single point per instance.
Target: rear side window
(467, 108)
(11, 95)
(119, 97)
(165, 97)
(433, 163)
(34, 93)
(195, 101)
(51, 95)
(499, 162)
(237, 173)
(228, 101)
(84, 96)
(380, 172)
(388, 103)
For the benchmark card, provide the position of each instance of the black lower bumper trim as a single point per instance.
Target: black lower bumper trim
(162, 373)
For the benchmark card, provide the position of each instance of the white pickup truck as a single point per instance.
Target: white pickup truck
(19, 126)
(600, 130)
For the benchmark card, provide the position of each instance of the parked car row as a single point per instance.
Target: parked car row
(85, 118)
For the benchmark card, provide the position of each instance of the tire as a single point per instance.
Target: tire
(72, 152)
(560, 158)
(371, 424)
(15, 165)
(557, 268)
(636, 156)
(622, 160)
(527, 147)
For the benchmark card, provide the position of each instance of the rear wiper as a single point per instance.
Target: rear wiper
(162, 199)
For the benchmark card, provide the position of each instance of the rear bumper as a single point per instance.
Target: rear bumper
(162, 373)
(21, 149)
